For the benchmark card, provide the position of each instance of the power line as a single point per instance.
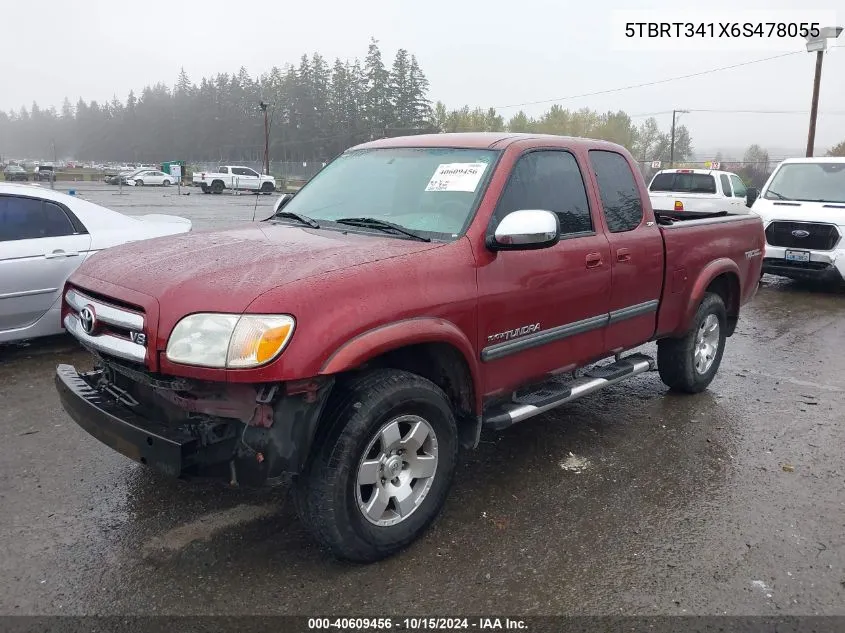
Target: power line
(648, 83)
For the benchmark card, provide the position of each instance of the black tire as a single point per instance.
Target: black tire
(139, 183)
(326, 493)
(267, 188)
(166, 183)
(205, 189)
(217, 187)
(676, 356)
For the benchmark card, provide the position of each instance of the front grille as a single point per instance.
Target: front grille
(822, 237)
(105, 326)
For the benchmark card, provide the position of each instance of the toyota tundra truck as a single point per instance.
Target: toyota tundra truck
(415, 292)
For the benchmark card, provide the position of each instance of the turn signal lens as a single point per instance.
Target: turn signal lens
(258, 339)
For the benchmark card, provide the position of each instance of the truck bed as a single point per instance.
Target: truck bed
(730, 243)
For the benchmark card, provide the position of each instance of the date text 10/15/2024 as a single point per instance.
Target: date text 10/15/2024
(416, 624)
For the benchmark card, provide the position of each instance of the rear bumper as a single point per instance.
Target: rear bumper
(166, 449)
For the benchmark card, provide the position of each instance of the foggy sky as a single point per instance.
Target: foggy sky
(492, 53)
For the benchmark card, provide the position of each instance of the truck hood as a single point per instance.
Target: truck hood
(225, 270)
(798, 211)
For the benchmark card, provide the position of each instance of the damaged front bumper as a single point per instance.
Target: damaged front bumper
(256, 450)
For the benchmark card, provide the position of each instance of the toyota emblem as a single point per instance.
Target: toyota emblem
(800, 233)
(88, 319)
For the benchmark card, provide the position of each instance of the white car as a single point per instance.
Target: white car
(149, 177)
(803, 210)
(44, 236)
(698, 191)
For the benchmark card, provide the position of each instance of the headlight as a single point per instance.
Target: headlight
(229, 340)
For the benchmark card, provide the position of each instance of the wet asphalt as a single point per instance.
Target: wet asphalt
(630, 501)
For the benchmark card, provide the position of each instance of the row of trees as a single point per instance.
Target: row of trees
(316, 110)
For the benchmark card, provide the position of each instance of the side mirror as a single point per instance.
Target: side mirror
(751, 194)
(528, 229)
(282, 201)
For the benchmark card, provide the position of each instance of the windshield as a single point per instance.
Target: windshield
(686, 183)
(428, 190)
(816, 182)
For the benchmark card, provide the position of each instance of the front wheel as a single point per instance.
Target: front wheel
(267, 188)
(166, 183)
(139, 183)
(380, 474)
(689, 364)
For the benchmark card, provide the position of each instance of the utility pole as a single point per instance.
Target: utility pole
(672, 141)
(55, 161)
(263, 107)
(818, 44)
(814, 108)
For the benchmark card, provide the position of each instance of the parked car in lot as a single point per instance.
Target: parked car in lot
(45, 172)
(412, 293)
(699, 191)
(234, 177)
(149, 177)
(15, 173)
(44, 236)
(802, 206)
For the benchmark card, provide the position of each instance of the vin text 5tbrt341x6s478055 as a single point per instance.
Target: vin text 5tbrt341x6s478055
(414, 292)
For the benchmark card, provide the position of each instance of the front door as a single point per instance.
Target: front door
(636, 253)
(544, 310)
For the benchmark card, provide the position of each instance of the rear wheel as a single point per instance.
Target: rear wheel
(689, 364)
(217, 187)
(380, 474)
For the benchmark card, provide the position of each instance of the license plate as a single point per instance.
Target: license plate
(797, 256)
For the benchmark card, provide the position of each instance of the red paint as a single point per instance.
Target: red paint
(357, 296)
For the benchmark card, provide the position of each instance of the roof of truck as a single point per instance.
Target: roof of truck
(476, 140)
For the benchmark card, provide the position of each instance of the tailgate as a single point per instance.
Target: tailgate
(696, 202)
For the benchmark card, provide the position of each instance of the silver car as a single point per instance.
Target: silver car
(44, 236)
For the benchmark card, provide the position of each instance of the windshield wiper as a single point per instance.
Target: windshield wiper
(777, 195)
(302, 219)
(375, 223)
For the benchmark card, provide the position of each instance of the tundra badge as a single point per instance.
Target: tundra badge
(511, 334)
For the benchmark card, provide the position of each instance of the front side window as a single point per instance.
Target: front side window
(552, 181)
(430, 190)
(739, 187)
(620, 196)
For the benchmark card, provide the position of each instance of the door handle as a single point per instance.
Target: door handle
(593, 260)
(623, 255)
(60, 253)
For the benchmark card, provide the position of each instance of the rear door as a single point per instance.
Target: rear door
(636, 252)
(41, 244)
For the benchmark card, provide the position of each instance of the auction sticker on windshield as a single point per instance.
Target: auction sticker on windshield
(456, 177)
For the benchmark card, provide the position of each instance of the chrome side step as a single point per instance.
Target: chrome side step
(558, 391)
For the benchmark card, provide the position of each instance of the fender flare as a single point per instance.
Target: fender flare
(705, 277)
(414, 331)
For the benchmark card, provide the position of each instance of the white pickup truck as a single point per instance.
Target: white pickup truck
(803, 210)
(698, 191)
(234, 177)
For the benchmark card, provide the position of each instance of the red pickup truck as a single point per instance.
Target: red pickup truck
(414, 292)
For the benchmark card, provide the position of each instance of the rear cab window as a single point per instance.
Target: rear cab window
(683, 182)
(726, 185)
